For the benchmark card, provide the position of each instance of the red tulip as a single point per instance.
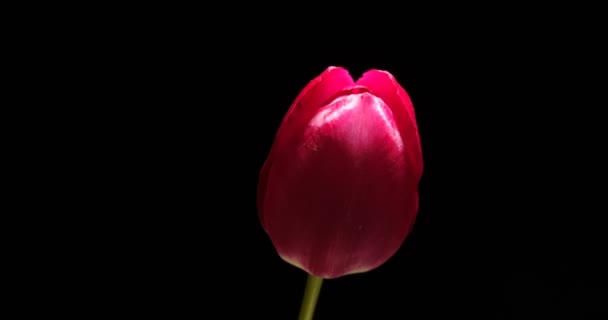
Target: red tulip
(338, 193)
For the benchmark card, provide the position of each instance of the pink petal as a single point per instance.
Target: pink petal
(317, 93)
(384, 85)
(339, 197)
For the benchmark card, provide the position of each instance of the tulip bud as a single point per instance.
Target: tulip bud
(338, 193)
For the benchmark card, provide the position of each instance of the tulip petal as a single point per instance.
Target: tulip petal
(317, 93)
(339, 197)
(384, 85)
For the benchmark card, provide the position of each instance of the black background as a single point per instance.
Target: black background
(505, 226)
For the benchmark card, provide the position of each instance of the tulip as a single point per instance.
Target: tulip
(338, 192)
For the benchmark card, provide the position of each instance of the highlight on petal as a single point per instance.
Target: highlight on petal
(384, 85)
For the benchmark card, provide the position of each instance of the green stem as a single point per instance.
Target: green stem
(311, 295)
